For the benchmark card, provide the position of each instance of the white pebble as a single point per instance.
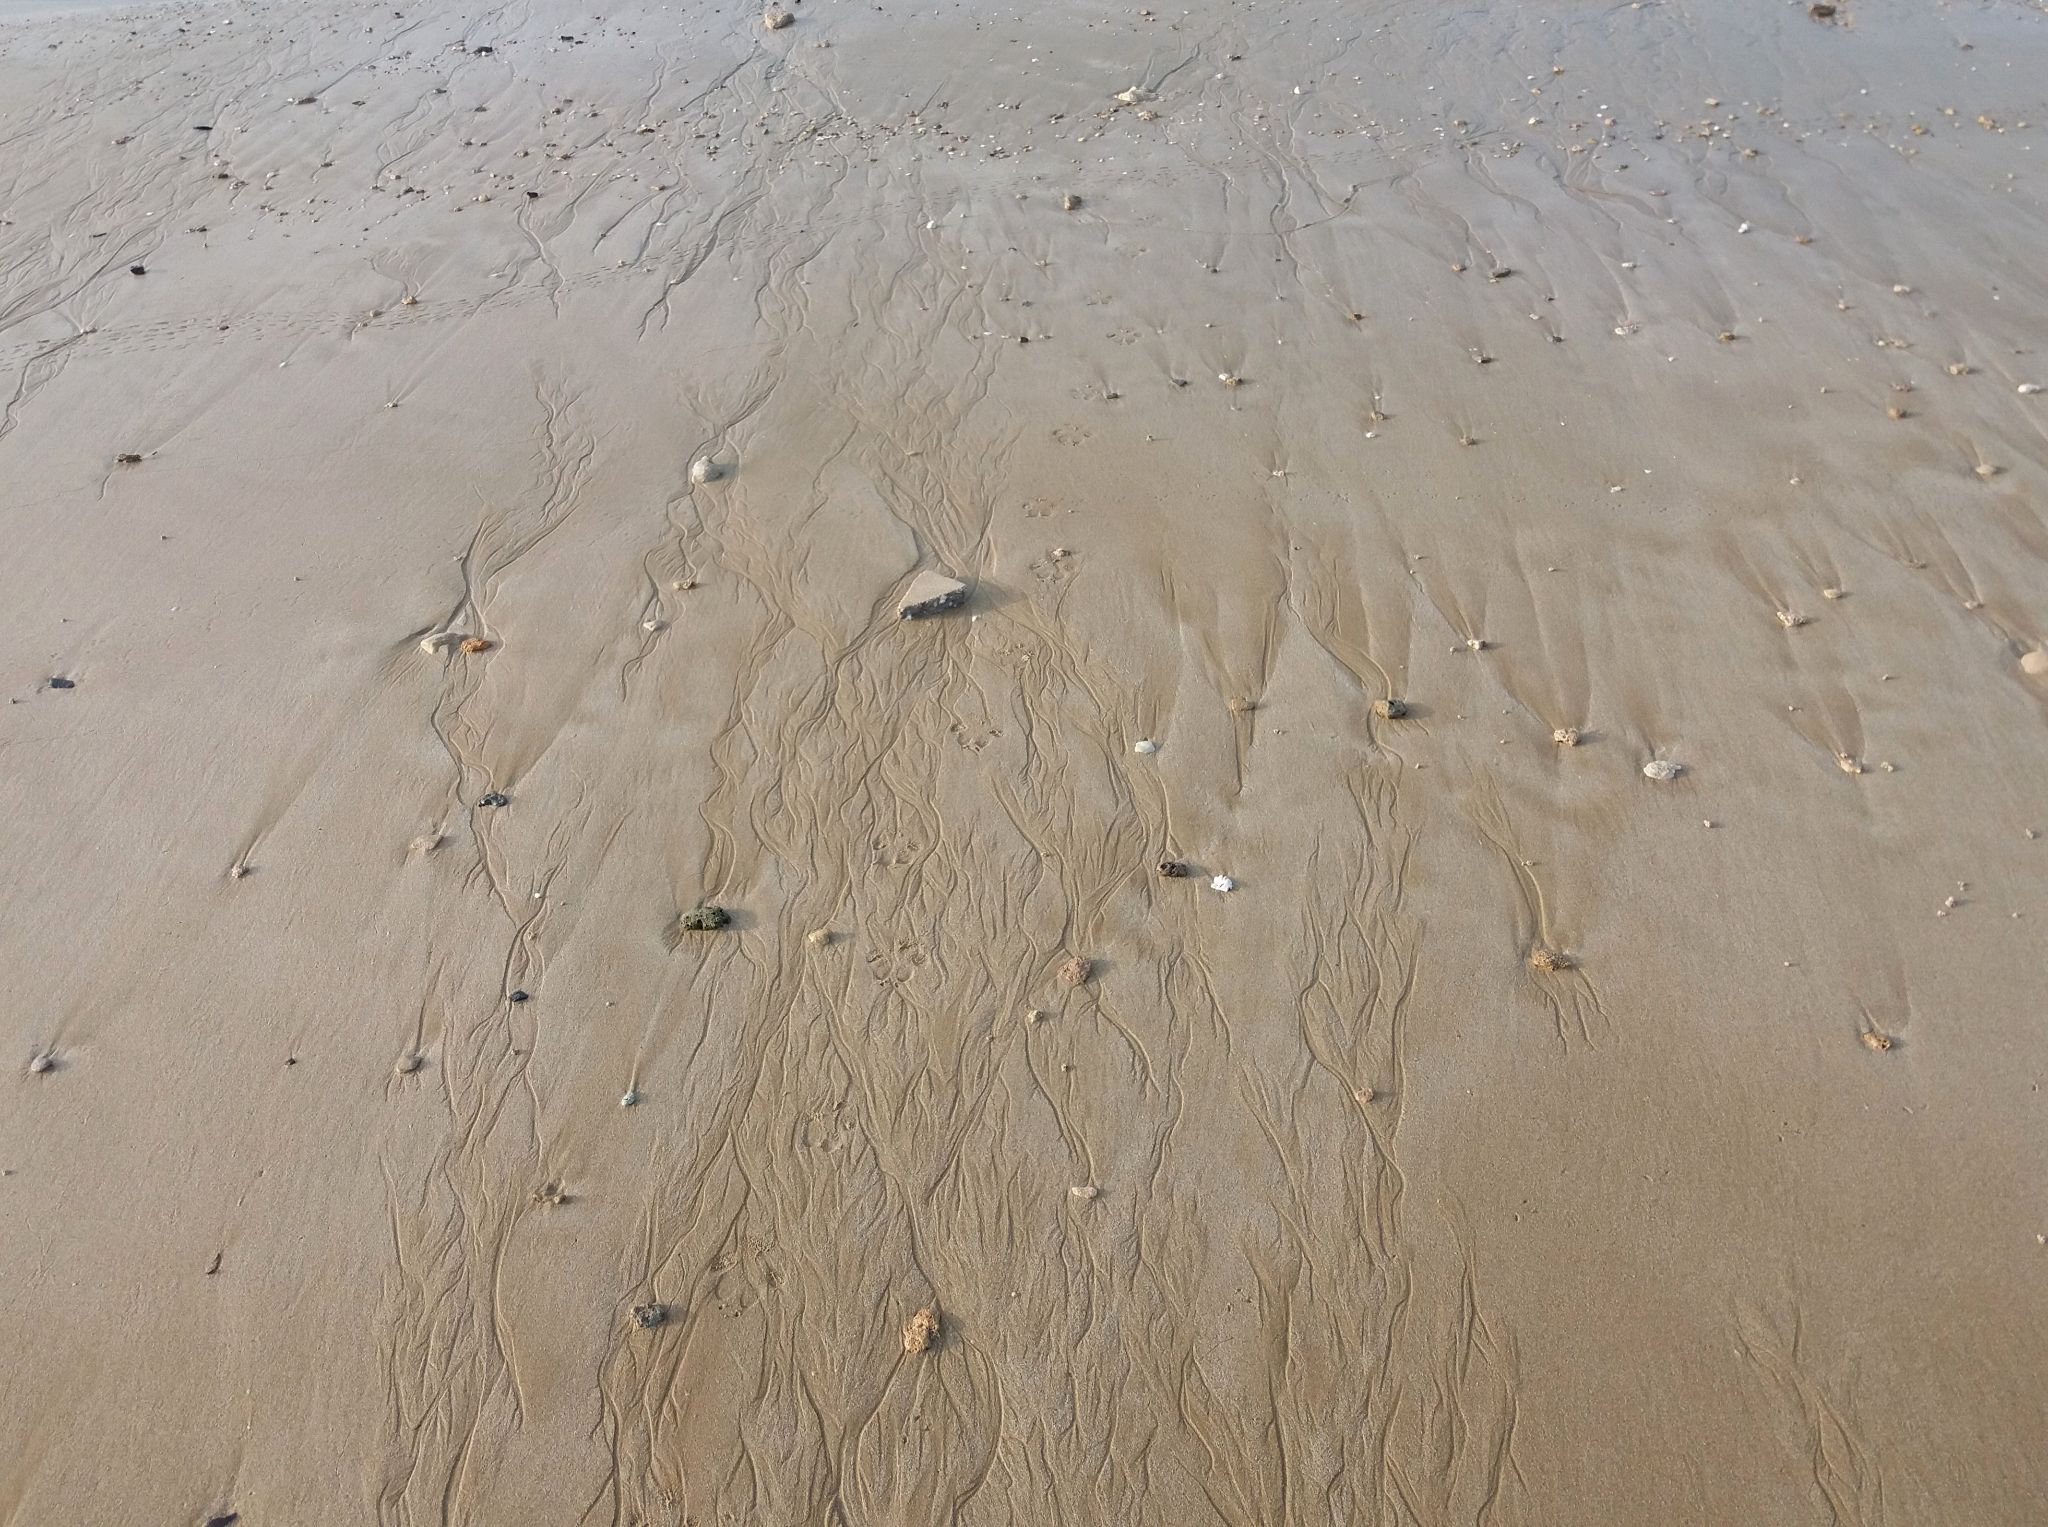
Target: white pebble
(704, 470)
(1223, 883)
(1662, 768)
(629, 1098)
(1145, 745)
(2027, 389)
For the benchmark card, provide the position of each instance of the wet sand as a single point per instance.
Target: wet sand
(1522, 1138)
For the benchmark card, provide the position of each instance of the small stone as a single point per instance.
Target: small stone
(62, 683)
(138, 270)
(408, 1064)
(1087, 1192)
(818, 938)
(129, 459)
(921, 1330)
(1877, 1039)
(648, 1316)
(1172, 869)
(1070, 202)
(520, 996)
(2027, 389)
(1832, 592)
(2034, 664)
(494, 798)
(1145, 745)
(1848, 763)
(1662, 768)
(1390, 710)
(1566, 737)
(475, 644)
(1790, 620)
(1223, 883)
(930, 593)
(775, 21)
(1077, 970)
(705, 919)
(1475, 644)
(629, 1098)
(42, 1065)
(1549, 961)
(432, 645)
(704, 470)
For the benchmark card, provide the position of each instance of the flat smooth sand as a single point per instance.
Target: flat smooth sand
(1522, 1139)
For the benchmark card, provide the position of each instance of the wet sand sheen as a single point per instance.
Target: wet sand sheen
(1446, 935)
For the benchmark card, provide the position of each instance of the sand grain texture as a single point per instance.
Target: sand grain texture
(1560, 349)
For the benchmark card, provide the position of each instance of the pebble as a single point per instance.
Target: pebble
(1222, 883)
(921, 1330)
(1662, 768)
(1390, 709)
(930, 593)
(62, 683)
(407, 1064)
(494, 798)
(648, 1316)
(704, 470)
(520, 996)
(1145, 745)
(628, 1098)
(2027, 389)
(42, 1065)
(1087, 1192)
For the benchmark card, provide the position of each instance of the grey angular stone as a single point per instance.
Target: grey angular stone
(931, 593)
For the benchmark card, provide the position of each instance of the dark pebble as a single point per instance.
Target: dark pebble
(62, 684)
(138, 270)
(520, 996)
(495, 799)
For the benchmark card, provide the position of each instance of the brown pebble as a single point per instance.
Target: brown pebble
(1877, 1039)
(475, 644)
(1390, 710)
(921, 1330)
(1549, 960)
(1077, 970)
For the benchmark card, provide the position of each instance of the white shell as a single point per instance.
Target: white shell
(1662, 768)
(704, 470)
(1223, 883)
(2027, 389)
(1144, 745)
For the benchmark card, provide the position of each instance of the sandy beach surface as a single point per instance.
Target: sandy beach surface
(1453, 932)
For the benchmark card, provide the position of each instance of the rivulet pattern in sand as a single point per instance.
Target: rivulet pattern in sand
(1520, 1138)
